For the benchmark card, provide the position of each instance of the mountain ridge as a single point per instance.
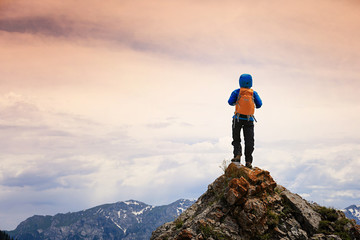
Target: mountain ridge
(353, 212)
(129, 219)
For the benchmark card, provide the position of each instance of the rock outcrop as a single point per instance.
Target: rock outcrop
(247, 204)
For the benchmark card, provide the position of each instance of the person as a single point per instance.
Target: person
(245, 100)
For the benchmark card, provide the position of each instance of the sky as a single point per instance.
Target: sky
(105, 101)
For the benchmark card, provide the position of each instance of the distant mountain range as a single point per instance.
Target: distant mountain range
(122, 220)
(353, 212)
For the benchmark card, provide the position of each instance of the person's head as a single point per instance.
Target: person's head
(245, 80)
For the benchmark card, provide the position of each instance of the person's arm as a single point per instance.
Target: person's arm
(257, 100)
(233, 97)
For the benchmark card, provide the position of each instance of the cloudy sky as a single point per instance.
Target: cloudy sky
(105, 101)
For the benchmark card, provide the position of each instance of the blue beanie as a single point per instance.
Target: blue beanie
(245, 80)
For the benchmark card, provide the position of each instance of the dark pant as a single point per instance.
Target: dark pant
(248, 129)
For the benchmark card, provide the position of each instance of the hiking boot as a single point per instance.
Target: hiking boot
(236, 159)
(248, 165)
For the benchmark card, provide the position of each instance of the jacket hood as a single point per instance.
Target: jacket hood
(245, 81)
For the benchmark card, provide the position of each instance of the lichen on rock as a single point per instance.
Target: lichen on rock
(247, 204)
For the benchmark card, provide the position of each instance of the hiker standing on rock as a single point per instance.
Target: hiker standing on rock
(245, 100)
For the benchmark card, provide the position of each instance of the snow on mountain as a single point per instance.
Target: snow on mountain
(353, 212)
(121, 220)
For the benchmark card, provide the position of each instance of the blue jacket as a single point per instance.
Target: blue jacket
(245, 81)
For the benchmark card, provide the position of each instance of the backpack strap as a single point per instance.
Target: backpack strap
(238, 116)
(238, 98)
(254, 118)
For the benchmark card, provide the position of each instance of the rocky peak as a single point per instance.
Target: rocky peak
(247, 204)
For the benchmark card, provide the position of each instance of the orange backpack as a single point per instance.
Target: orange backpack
(245, 103)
